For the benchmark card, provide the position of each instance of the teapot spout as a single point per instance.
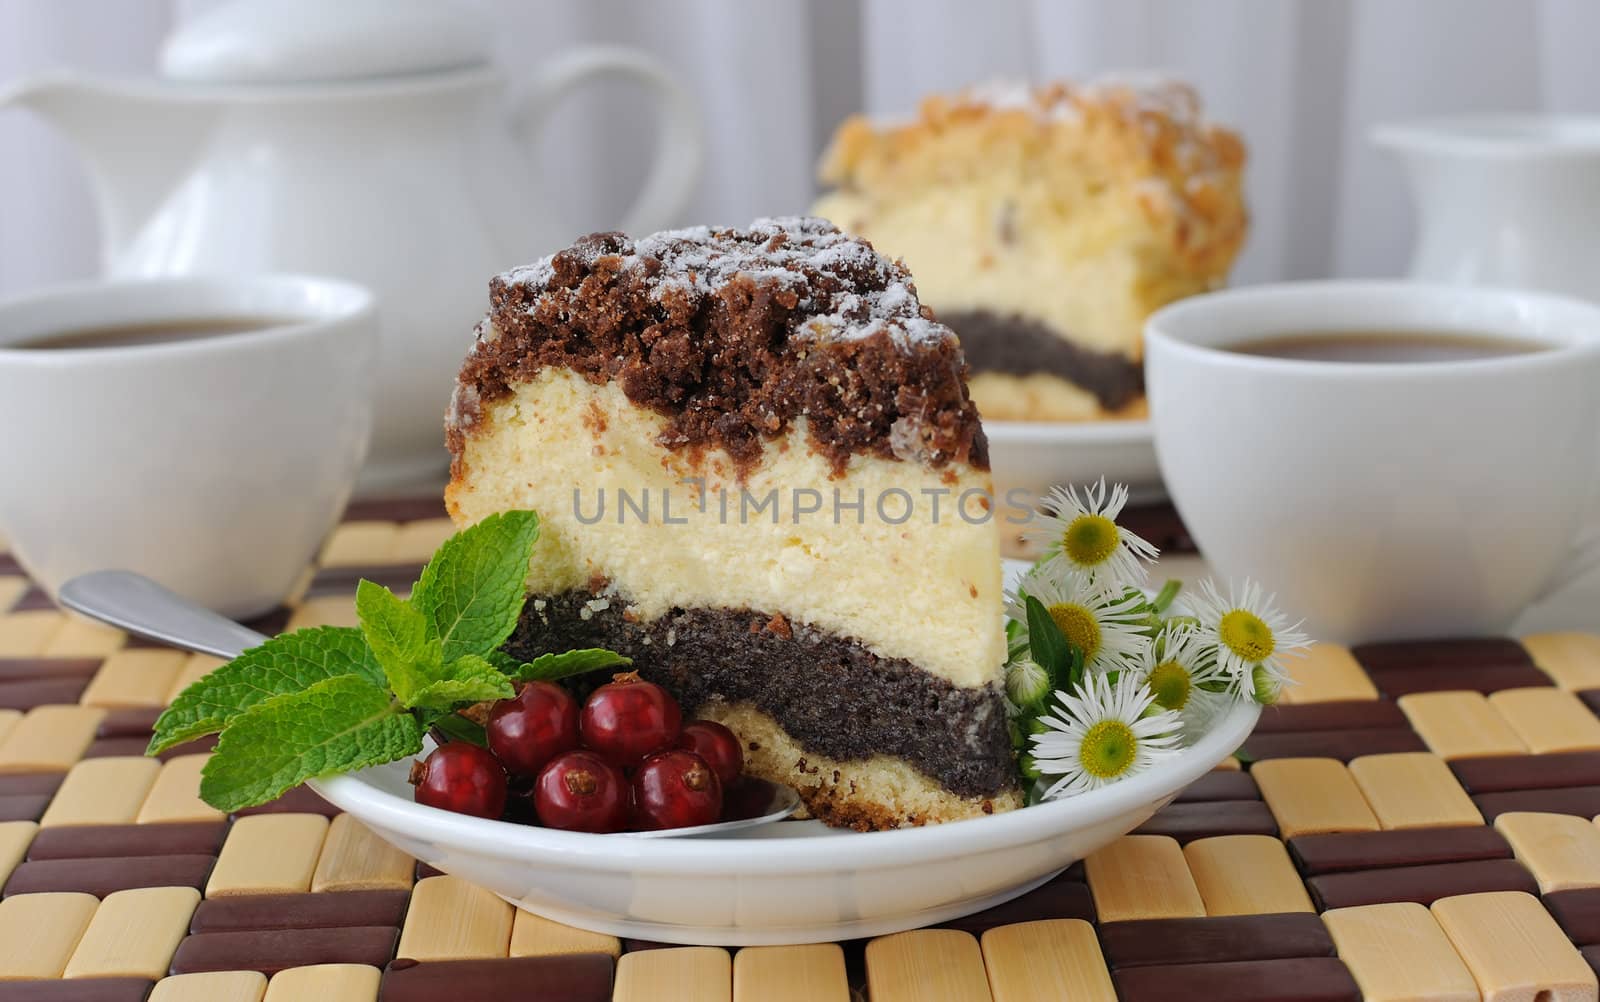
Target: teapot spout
(135, 138)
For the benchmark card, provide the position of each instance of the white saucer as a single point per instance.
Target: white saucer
(790, 882)
(1038, 455)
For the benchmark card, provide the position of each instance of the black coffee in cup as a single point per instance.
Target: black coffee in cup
(161, 332)
(1381, 346)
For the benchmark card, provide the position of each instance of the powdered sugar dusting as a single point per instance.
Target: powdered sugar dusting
(466, 405)
(1016, 95)
(542, 272)
(1148, 93)
(1137, 94)
(844, 289)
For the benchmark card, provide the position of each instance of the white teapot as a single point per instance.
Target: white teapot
(365, 139)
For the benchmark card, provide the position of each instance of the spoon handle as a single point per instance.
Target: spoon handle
(137, 604)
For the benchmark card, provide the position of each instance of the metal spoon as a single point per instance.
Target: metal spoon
(139, 605)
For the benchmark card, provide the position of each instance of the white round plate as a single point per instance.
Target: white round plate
(790, 882)
(1038, 455)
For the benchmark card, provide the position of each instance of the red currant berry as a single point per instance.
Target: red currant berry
(676, 789)
(533, 727)
(581, 792)
(461, 777)
(628, 718)
(717, 745)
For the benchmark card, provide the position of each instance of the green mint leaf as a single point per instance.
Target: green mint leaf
(467, 679)
(458, 728)
(504, 662)
(336, 725)
(1050, 648)
(554, 667)
(398, 634)
(473, 589)
(287, 663)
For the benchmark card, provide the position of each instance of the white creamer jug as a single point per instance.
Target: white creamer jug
(1510, 200)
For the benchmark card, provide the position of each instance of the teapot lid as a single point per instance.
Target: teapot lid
(308, 41)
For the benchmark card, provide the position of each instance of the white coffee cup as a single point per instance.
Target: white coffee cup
(1381, 500)
(215, 465)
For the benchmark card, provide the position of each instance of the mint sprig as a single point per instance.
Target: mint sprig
(337, 725)
(397, 632)
(551, 667)
(284, 664)
(472, 589)
(333, 699)
(467, 679)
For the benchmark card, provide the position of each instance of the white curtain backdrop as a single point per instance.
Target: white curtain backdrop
(1303, 79)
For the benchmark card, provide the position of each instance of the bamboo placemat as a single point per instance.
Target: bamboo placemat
(1415, 822)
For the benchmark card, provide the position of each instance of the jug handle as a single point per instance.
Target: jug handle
(681, 147)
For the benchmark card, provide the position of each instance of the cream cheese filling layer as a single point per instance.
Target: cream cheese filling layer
(913, 573)
(1040, 396)
(1089, 269)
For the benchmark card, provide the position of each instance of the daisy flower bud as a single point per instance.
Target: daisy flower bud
(1027, 684)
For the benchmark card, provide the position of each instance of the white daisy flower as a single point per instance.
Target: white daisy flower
(1104, 627)
(1202, 712)
(1176, 666)
(1104, 733)
(1248, 637)
(1082, 533)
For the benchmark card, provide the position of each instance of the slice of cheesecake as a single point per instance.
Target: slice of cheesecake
(1044, 225)
(761, 476)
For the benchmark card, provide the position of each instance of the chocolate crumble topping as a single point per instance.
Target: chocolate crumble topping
(733, 335)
